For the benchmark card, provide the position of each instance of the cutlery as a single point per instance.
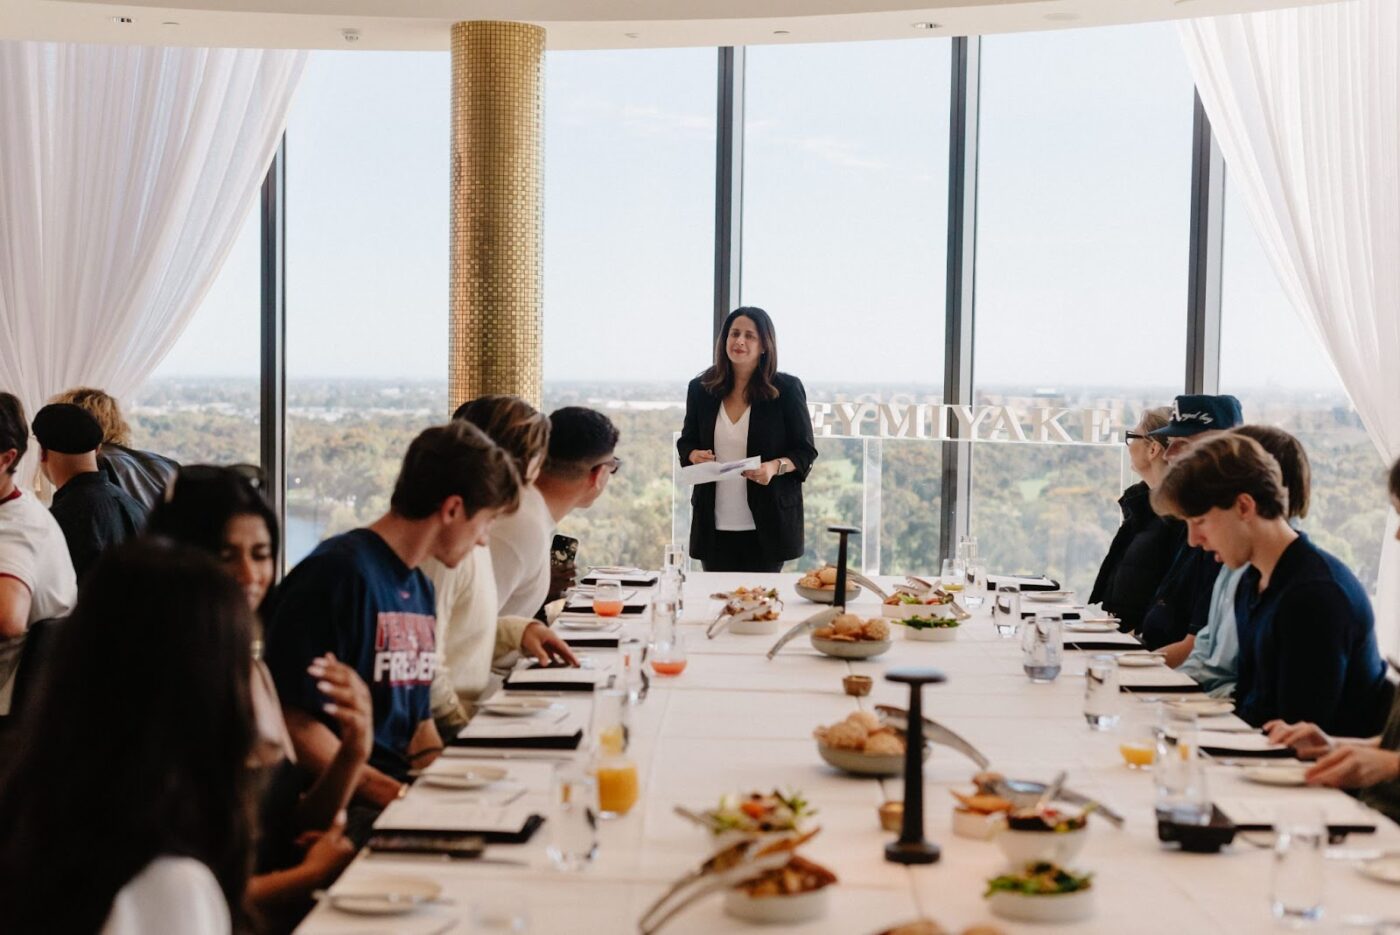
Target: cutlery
(1052, 790)
(724, 869)
(819, 619)
(743, 611)
(898, 718)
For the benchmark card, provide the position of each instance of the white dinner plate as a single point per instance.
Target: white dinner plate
(1203, 707)
(586, 623)
(1385, 869)
(383, 895)
(470, 777)
(515, 707)
(1141, 659)
(1091, 626)
(1047, 597)
(1277, 775)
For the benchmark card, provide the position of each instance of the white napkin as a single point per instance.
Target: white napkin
(482, 728)
(1245, 743)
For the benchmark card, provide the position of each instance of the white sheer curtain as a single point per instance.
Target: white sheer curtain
(1305, 104)
(125, 175)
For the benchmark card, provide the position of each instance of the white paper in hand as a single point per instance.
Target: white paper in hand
(707, 472)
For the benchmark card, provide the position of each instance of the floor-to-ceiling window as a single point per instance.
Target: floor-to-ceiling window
(367, 216)
(845, 226)
(629, 260)
(1082, 242)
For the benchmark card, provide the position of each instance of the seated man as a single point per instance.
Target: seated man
(1181, 605)
(36, 574)
(143, 474)
(94, 513)
(361, 596)
(575, 473)
(1307, 636)
(1215, 656)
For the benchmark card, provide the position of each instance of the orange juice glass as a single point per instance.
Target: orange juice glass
(607, 598)
(1138, 754)
(617, 787)
(668, 666)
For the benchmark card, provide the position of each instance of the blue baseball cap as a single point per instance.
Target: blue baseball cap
(1192, 415)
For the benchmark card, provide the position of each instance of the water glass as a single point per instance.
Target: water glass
(573, 827)
(634, 657)
(1300, 844)
(1043, 647)
(674, 566)
(506, 914)
(607, 732)
(676, 557)
(1180, 774)
(1006, 610)
(967, 549)
(1101, 698)
(976, 594)
(953, 575)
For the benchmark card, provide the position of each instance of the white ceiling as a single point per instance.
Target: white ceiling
(572, 24)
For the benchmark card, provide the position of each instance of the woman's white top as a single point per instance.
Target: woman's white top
(170, 894)
(732, 513)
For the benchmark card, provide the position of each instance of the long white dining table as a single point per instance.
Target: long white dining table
(735, 722)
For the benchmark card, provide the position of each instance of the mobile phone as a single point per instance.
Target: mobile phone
(458, 846)
(563, 551)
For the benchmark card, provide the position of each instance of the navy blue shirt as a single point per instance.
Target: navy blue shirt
(355, 597)
(1308, 646)
(1181, 605)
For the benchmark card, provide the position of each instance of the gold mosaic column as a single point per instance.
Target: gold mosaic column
(496, 296)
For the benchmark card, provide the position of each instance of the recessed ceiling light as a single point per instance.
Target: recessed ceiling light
(350, 35)
(632, 35)
(1062, 17)
(781, 32)
(123, 20)
(928, 25)
(170, 22)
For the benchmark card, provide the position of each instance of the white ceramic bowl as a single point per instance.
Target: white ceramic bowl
(753, 627)
(975, 825)
(864, 764)
(901, 611)
(932, 634)
(860, 649)
(804, 907)
(1062, 907)
(827, 595)
(1029, 847)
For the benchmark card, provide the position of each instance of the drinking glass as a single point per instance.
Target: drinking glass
(668, 651)
(967, 549)
(1139, 750)
(1300, 843)
(504, 913)
(607, 597)
(634, 656)
(976, 594)
(1101, 699)
(953, 575)
(614, 769)
(1042, 647)
(674, 564)
(1006, 610)
(1179, 773)
(574, 825)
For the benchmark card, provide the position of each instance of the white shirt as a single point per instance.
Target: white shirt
(732, 513)
(170, 894)
(520, 555)
(469, 634)
(34, 552)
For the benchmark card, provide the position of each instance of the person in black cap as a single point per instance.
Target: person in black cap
(93, 513)
(1181, 606)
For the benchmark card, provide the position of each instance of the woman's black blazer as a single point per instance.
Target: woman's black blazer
(778, 428)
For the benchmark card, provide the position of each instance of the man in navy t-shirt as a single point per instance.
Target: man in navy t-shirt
(1307, 635)
(361, 596)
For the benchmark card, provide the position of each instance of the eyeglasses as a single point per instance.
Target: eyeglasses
(614, 465)
(1129, 436)
(251, 474)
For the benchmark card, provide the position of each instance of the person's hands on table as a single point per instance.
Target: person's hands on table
(1307, 740)
(547, 646)
(764, 473)
(700, 455)
(1354, 766)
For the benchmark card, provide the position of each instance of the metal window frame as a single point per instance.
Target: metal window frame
(960, 306)
(1206, 258)
(729, 184)
(272, 427)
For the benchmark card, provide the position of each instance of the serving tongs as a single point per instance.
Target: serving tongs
(922, 590)
(736, 611)
(898, 718)
(726, 868)
(1019, 790)
(820, 619)
(865, 582)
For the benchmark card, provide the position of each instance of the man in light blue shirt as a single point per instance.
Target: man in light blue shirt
(1214, 659)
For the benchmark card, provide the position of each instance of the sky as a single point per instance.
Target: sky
(1082, 230)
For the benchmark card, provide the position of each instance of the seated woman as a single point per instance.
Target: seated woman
(217, 511)
(1143, 549)
(1369, 766)
(129, 808)
(1215, 652)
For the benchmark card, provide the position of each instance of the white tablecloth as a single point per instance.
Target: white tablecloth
(735, 721)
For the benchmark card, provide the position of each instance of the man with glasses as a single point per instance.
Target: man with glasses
(581, 459)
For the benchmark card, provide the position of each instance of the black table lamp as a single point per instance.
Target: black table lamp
(839, 598)
(912, 847)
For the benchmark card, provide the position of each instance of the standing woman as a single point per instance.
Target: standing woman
(740, 407)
